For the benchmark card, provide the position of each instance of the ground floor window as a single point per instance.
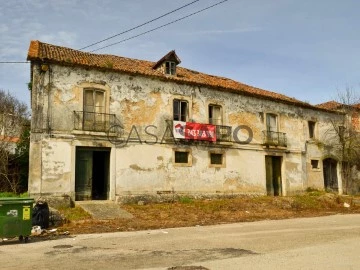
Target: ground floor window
(217, 159)
(182, 157)
(315, 164)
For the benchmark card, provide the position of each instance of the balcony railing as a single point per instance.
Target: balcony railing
(272, 138)
(223, 133)
(91, 121)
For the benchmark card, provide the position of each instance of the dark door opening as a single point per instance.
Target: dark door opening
(273, 176)
(330, 174)
(92, 173)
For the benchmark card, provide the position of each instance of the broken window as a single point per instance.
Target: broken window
(314, 164)
(215, 114)
(180, 110)
(170, 68)
(311, 125)
(341, 133)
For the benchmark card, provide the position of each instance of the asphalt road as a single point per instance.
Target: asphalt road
(331, 242)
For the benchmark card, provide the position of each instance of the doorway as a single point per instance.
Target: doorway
(92, 173)
(273, 176)
(330, 174)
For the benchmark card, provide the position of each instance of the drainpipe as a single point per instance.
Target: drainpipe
(49, 102)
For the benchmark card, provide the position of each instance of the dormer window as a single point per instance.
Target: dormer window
(170, 68)
(167, 64)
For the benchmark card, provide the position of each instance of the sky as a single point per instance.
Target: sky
(308, 49)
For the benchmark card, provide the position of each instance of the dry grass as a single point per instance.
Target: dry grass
(189, 212)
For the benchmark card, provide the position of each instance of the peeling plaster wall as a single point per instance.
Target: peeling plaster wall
(140, 168)
(154, 171)
(56, 166)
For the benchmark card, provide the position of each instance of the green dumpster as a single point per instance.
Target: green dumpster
(15, 217)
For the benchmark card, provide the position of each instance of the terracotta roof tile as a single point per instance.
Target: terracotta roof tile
(330, 105)
(39, 51)
(334, 105)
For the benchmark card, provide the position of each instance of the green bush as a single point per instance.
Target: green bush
(11, 194)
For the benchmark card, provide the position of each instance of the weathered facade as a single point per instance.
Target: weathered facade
(103, 127)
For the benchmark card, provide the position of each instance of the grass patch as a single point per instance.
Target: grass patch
(186, 200)
(188, 211)
(305, 202)
(74, 213)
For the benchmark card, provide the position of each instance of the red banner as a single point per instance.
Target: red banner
(194, 131)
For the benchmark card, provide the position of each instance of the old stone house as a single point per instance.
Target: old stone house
(109, 127)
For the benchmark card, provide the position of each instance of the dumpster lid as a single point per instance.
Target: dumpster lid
(15, 200)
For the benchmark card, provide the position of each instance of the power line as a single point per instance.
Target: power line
(182, 18)
(14, 62)
(139, 25)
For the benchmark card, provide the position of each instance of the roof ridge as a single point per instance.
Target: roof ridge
(67, 56)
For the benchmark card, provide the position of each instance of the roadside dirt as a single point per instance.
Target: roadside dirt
(189, 212)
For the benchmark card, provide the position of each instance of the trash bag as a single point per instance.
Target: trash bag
(40, 215)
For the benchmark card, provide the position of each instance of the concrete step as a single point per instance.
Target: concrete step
(104, 209)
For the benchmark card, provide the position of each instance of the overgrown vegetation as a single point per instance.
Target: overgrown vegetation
(192, 212)
(344, 140)
(74, 214)
(14, 143)
(11, 194)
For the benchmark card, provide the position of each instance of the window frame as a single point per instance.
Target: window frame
(94, 92)
(180, 115)
(170, 68)
(317, 168)
(211, 119)
(267, 121)
(182, 150)
(223, 159)
(312, 129)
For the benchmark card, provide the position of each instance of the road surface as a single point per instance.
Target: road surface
(331, 242)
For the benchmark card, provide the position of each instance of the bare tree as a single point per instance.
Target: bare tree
(345, 141)
(13, 115)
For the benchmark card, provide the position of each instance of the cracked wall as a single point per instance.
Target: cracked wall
(140, 168)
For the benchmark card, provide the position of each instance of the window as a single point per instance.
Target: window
(341, 133)
(311, 125)
(180, 110)
(94, 109)
(271, 122)
(315, 164)
(170, 68)
(94, 101)
(215, 114)
(217, 159)
(182, 157)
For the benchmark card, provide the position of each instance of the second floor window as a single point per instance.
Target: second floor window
(94, 101)
(215, 115)
(94, 110)
(311, 125)
(271, 122)
(180, 110)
